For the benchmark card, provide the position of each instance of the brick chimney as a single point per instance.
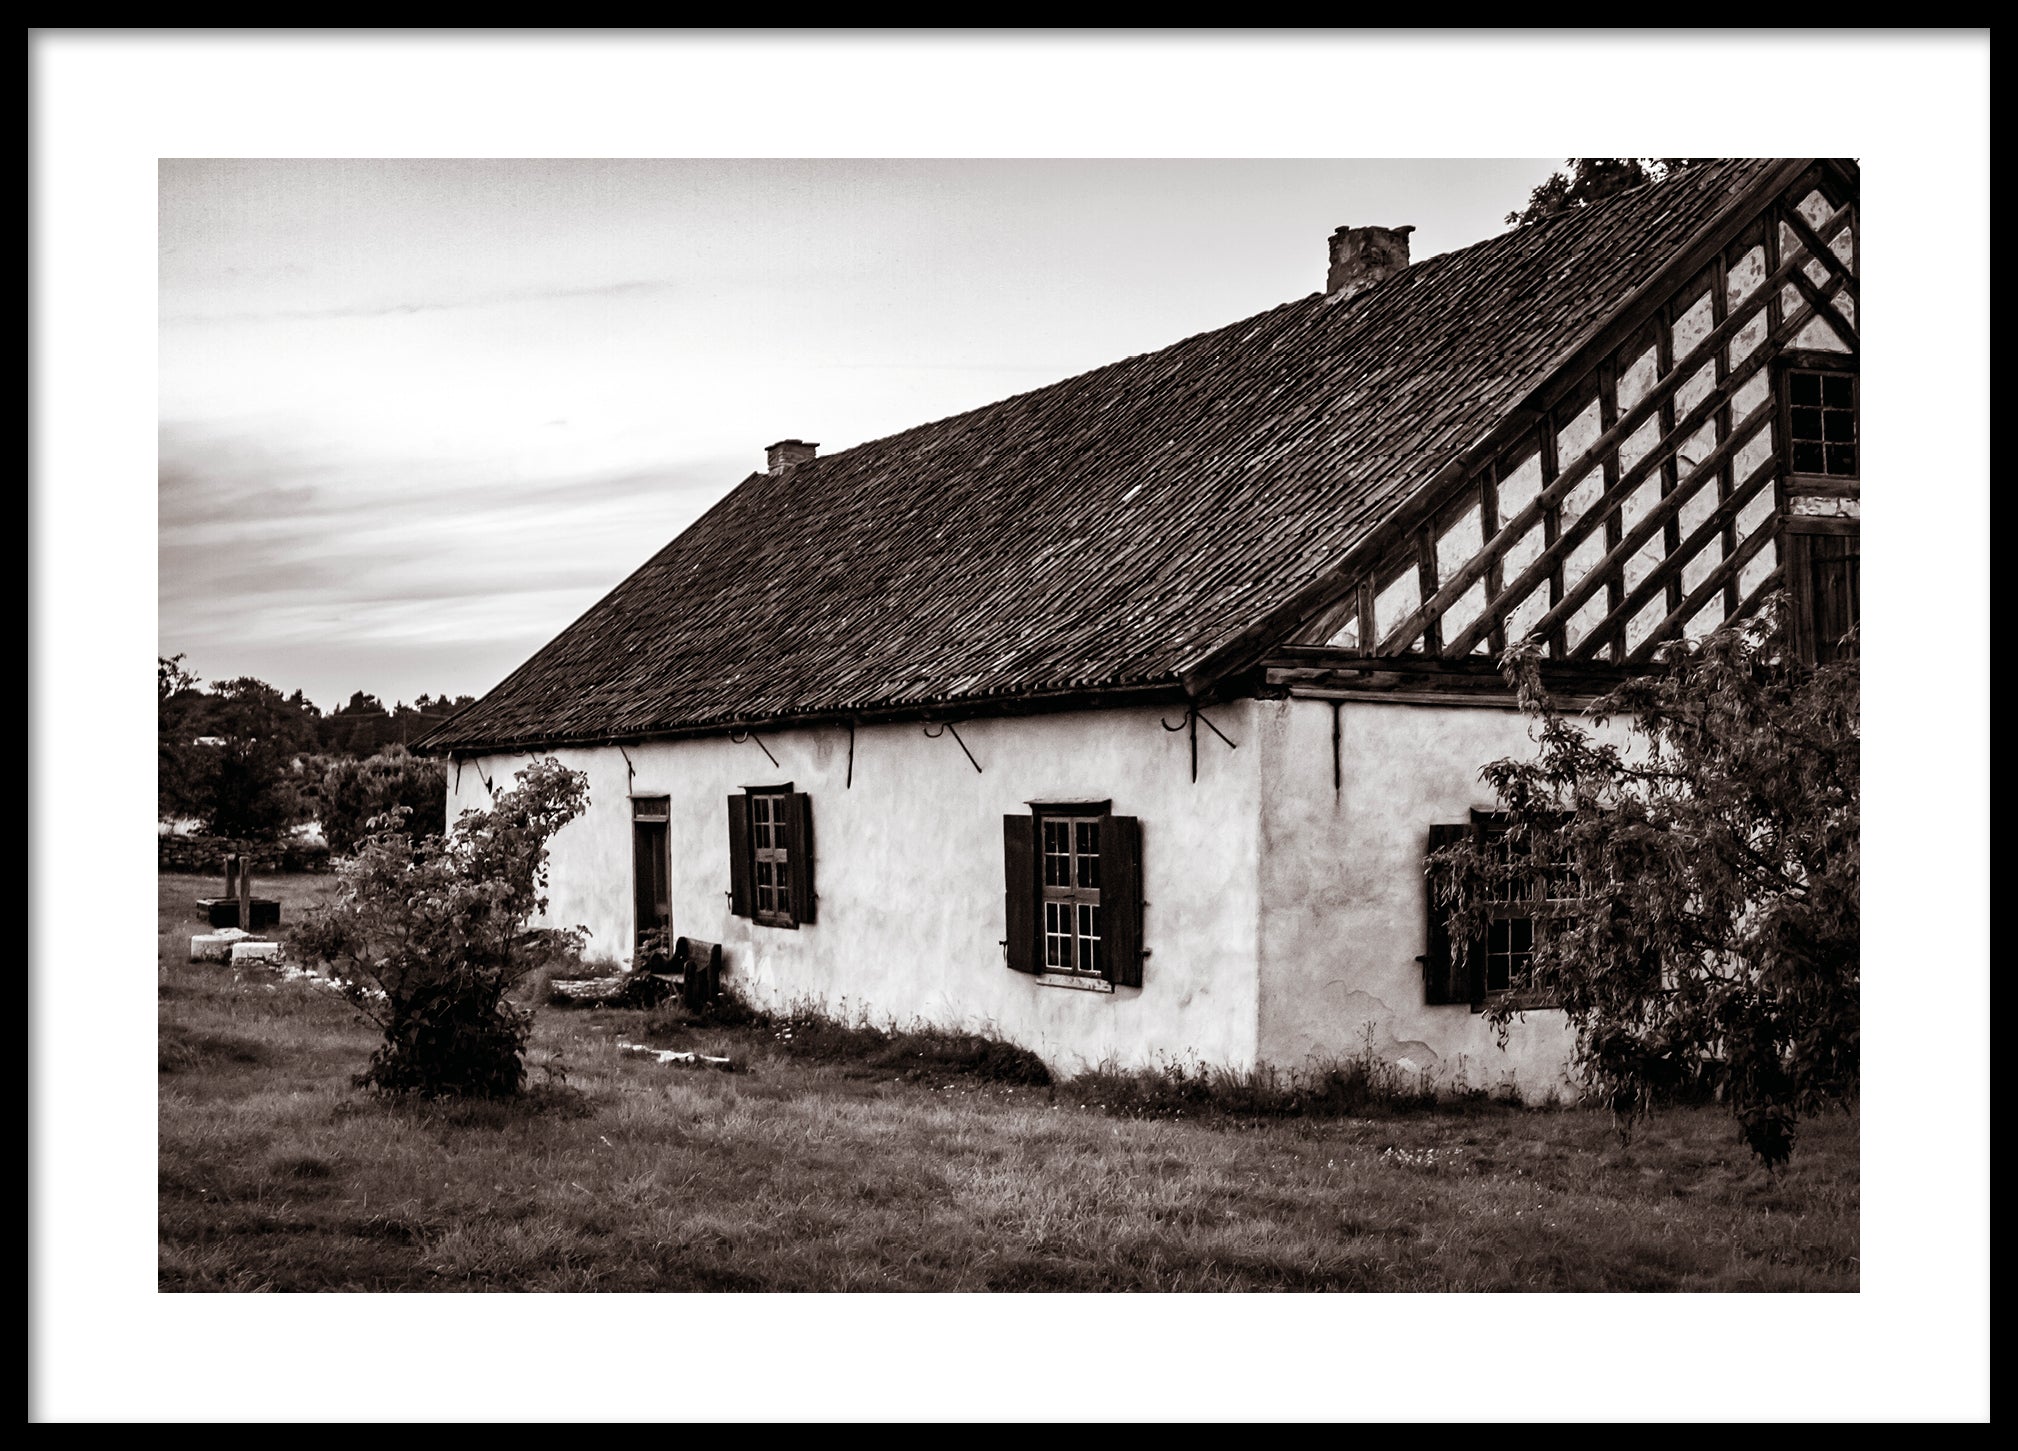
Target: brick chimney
(1362, 256)
(787, 452)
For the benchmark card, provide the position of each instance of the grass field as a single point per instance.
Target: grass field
(806, 1174)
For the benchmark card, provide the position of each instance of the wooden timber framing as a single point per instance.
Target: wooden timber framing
(1767, 275)
(1325, 673)
(1574, 364)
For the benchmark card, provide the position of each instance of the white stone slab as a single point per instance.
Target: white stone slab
(215, 946)
(255, 951)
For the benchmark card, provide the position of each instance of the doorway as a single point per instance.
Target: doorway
(651, 879)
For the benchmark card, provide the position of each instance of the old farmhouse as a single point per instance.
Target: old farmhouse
(1117, 717)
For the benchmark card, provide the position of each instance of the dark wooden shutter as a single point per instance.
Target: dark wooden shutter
(1821, 568)
(742, 896)
(1832, 564)
(800, 842)
(1443, 979)
(1121, 898)
(1019, 891)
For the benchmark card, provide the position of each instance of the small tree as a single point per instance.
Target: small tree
(1585, 180)
(432, 933)
(1695, 893)
(353, 792)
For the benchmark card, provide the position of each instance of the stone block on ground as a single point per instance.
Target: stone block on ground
(215, 946)
(255, 951)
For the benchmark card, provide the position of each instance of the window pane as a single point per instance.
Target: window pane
(1057, 934)
(1089, 938)
(1057, 854)
(1089, 854)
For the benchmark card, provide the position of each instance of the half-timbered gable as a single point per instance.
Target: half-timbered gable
(1667, 479)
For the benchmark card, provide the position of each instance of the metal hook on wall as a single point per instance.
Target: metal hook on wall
(1192, 716)
(740, 737)
(931, 734)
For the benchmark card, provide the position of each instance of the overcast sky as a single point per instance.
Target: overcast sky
(417, 415)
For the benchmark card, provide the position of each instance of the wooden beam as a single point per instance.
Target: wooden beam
(1671, 379)
(1672, 564)
(1700, 595)
(1704, 412)
(1838, 324)
(1559, 376)
(1811, 239)
(1751, 602)
(1544, 563)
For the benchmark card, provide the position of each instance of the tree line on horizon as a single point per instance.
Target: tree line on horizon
(249, 763)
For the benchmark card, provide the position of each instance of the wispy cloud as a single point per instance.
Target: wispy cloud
(403, 309)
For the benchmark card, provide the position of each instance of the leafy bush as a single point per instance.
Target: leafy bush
(1700, 929)
(430, 934)
(354, 794)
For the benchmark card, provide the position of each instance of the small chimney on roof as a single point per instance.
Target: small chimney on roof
(787, 452)
(1362, 256)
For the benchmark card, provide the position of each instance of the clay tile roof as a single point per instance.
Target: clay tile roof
(1106, 531)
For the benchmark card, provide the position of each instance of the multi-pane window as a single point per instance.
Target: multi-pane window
(773, 856)
(1071, 893)
(1822, 423)
(1520, 890)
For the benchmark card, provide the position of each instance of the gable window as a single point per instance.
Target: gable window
(1073, 894)
(1499, 960)
(1822, 423)
(771, 856)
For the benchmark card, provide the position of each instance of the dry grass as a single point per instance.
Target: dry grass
(840, 1171)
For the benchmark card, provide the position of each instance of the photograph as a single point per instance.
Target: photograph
(763, 715)
(1393, 756)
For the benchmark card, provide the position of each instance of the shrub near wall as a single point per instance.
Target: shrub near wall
(205, 855)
